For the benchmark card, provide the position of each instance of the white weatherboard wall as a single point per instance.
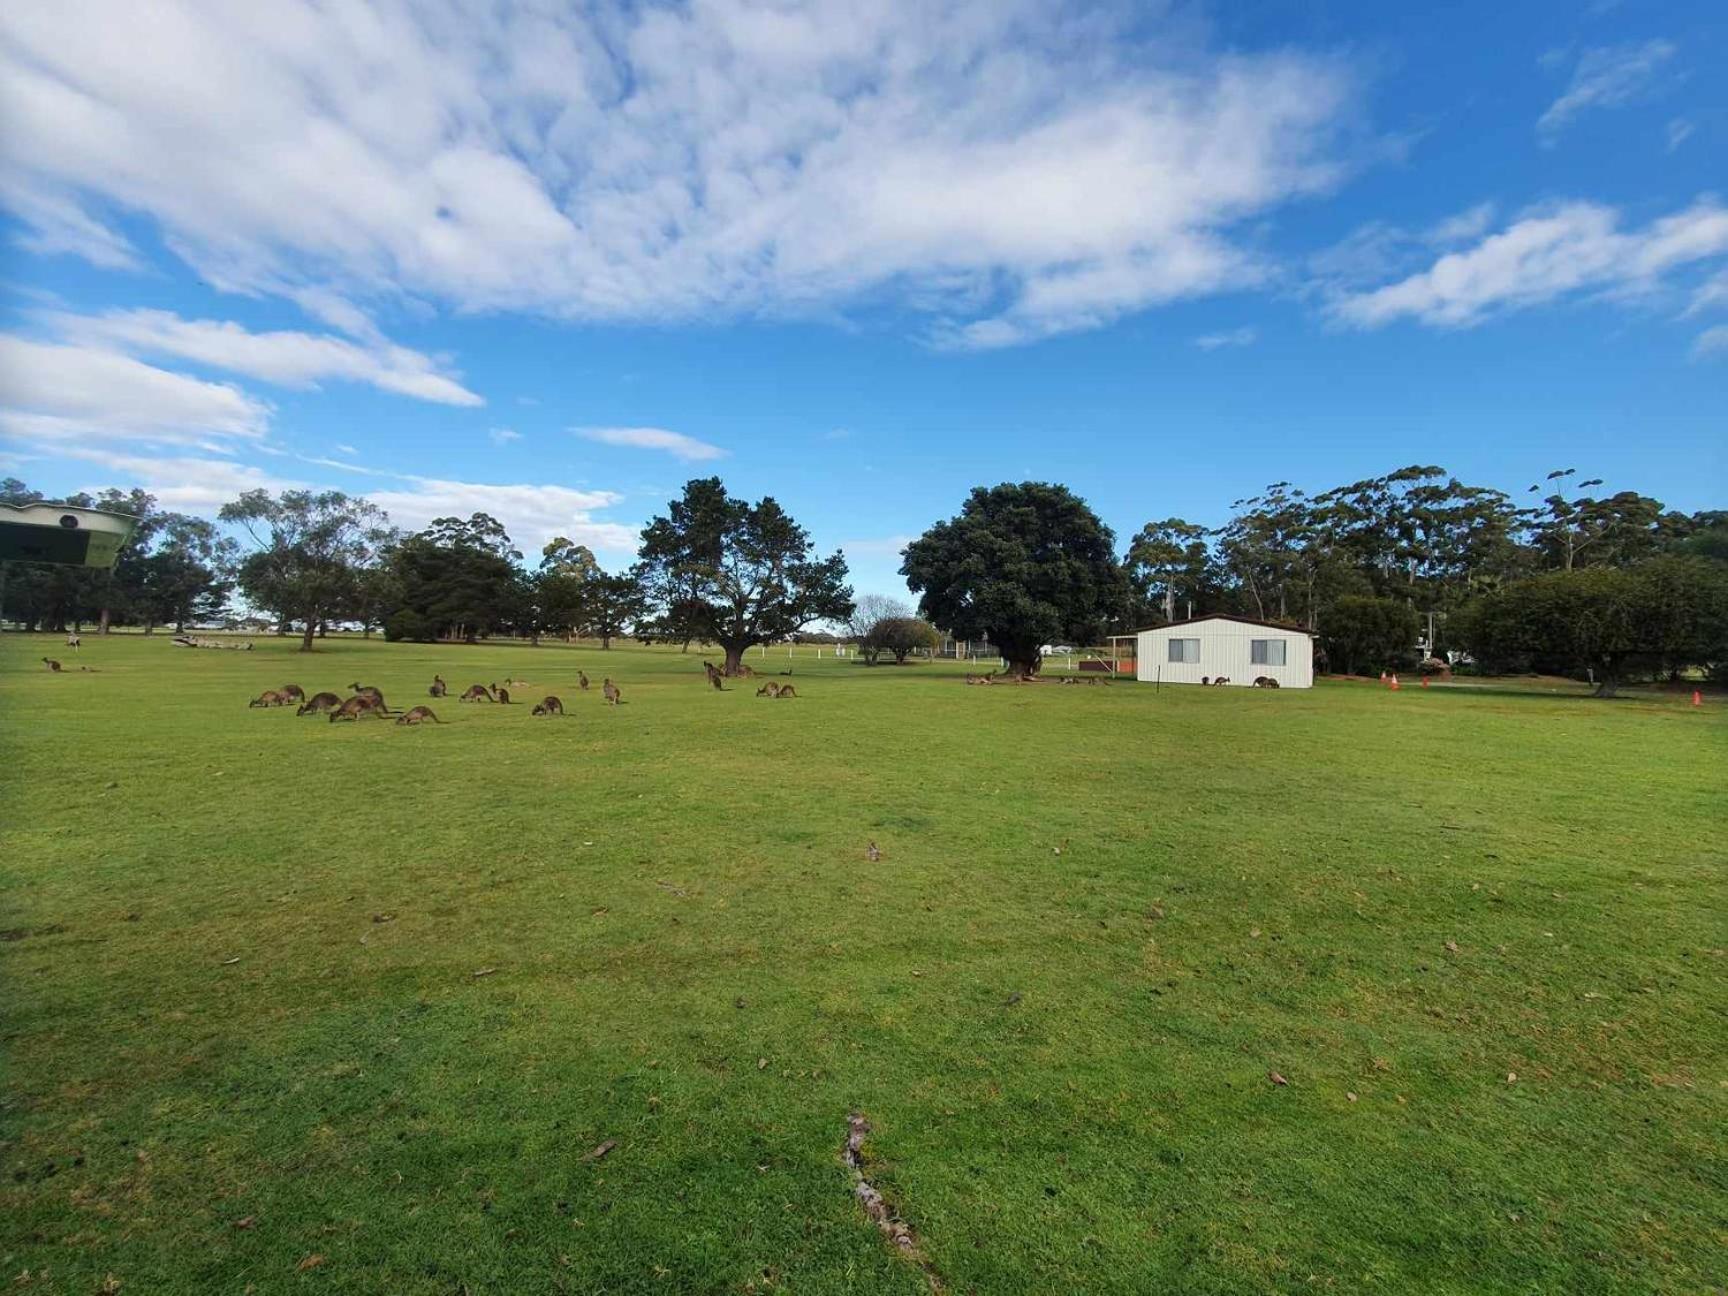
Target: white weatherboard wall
(1225, 649)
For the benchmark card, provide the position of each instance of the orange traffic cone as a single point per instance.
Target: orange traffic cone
(1697, 698)
(1394, 684)
(1424, 681)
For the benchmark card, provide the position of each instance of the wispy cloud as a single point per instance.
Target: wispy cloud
(53, 391)
(1543, 256)
(532, 514)
(1711, 343)
(676, 444)
(502, 436)
(1679, 131)
(1009, 170)
(1607, 76)
(1237, 337)
(286, 358)
(349, 450)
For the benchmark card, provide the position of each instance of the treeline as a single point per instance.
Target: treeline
(1568, 579)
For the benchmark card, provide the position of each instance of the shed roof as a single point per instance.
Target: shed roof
(1227, 616)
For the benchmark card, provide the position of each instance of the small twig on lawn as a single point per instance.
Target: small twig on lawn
(680, 892)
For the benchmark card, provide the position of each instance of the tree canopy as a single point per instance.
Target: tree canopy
(725, 571)
(1666, 613)
(309, 549)
(1022, 565)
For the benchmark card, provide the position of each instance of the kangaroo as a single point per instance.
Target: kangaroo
(786, 691)
(355, 707)
(319, 702)
(292, 693)
(501, 695)
(475, 693)
(1270, 683)
(770, 689)
(439, 687)
(367, 691)
(549, 706)
(51, 663)
(268, 698)
(74, 642)
(613, 696)
(417, 715)
(582, 677)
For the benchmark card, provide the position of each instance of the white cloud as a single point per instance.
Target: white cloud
(58, 392)
(1012, 169)
(532, 514)
(187, 484)
(1712, 294)
(1608, 76)
(503, 436)
(1237, 337)
(287, 358)
(56, 223)
(1545, 255)
(348, 450)
(1679, 131)
(1712, 342)
(676, 444)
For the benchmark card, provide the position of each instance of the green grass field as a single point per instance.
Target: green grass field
(247, 1048)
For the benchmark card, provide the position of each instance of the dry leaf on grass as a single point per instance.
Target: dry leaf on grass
(603, 1149)
(1276, 1079)
(310, 1262)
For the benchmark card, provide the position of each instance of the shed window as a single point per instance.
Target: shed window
(1266, 652)
(1185, 650)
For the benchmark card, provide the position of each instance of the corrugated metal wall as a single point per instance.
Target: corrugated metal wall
(1224, 650)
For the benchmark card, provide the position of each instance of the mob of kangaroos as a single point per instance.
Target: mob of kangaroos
(369, 701)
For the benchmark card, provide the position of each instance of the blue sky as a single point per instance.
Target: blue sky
(552, 260)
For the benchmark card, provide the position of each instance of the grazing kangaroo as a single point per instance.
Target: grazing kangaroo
(582, 676)
(786, 691)
(51, 663)
(549, 705)
(319, 702)
(770, 689)
(292, 693)
(367, 691)
(613, 696)
(355, 707)
(475, 693)
(501, 695)
(418, 715)
(269, 698)
(74, 642)
(439, 687)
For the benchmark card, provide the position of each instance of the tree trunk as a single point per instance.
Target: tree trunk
(605, 643)
(734, 657)
(1022, 662)
(311, 629)
(149, 626)
(102, 623)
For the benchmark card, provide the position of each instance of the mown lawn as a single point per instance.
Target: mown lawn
(246, 1047)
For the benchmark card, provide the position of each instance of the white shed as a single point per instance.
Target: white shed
(1238, 648)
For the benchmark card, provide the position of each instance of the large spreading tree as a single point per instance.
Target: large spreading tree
(1023, 565)
(309, 550)
(721, 570)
